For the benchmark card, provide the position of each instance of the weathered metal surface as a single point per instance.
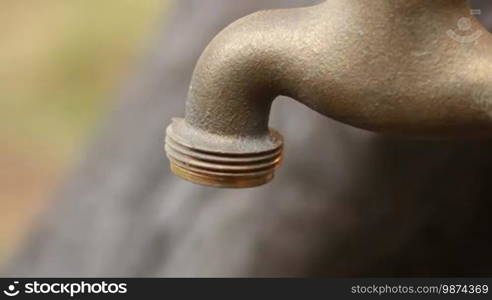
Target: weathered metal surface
(394, 67)
(222, 161)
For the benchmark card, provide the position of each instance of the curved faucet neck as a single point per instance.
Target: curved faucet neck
(406, 67)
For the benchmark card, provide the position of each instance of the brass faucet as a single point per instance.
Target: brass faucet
(405, 67)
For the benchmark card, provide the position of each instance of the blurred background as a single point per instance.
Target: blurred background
(62, 62)
(62, 65)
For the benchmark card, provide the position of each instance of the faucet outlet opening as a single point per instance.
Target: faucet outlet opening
(226, 162)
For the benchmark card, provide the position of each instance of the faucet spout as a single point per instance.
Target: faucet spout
(396, 67)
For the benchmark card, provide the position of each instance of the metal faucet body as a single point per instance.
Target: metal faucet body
(392, 67)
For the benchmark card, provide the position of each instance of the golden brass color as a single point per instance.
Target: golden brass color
(391, 66)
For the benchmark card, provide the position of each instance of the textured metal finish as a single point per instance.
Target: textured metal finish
(394, 67)
(222, 161)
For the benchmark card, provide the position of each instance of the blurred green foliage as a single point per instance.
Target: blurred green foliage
(62, 60)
